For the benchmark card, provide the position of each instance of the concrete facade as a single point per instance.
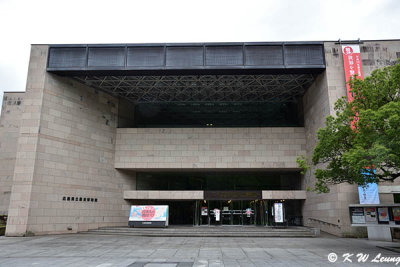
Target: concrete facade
(199, 195)
(164, 195)
(209, 148)
(330, 211)
(11, 114)
(65, 148)
(69, 146)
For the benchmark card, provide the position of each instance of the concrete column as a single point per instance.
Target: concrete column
(20, 200)
(379, 233)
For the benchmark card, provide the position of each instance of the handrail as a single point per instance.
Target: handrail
(323, 222)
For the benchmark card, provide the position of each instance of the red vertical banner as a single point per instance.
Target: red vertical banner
(352, 66)
(353, 69)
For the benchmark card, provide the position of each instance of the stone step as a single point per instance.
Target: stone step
(198, 231)
(201, 231)
(208, 232)
(219, 228)
(205, 234)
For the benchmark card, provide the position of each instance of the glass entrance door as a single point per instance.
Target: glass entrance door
(203, 217)
(214, 211)
(248, 210)
(237, 213)
(232, 212)
(226, 212)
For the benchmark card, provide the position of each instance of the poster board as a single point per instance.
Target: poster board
(150, 215)
(217, 214)
(357, 215)
(278, 211)
(248, 212)
(204, 211)
(396, 214)
(370, 214)
(383, 215)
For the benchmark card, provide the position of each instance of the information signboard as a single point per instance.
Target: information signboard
(217, 213)
(383, 215)
(151, 215)
(248, 212)
(370, 214)
(204, 211)
(278, 211)
(396, 214)
(357, 215)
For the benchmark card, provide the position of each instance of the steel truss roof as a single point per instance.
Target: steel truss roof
(209, 88)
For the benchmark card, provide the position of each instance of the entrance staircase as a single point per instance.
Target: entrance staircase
(210, 231)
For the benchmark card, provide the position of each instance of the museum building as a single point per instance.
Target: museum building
(199, 127)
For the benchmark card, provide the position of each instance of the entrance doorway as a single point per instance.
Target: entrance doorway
(214, 212)
(231, 212)
(181, 213)
(249, 211)
(228, 212)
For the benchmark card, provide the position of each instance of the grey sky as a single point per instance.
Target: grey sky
(26, 22)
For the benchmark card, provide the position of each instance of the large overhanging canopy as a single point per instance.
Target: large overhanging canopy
(195, 72)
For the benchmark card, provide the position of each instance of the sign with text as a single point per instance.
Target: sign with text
(352, 66)
(370, 214)
(368, 194)
(352, 69)
(396, 214)
(357, 215)
(204, 211)
(148, 213)
(278, 211)
(383, 214)
(217, 214)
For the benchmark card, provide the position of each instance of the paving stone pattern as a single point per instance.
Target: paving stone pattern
(119, 250)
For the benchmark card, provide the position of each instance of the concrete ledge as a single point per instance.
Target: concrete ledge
(388, 189)
(284, 194)
(193, 195)
(150, 194)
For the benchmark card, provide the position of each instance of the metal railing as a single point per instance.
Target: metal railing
(323, 222)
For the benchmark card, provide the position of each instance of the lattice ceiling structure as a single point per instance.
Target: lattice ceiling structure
(203, 88)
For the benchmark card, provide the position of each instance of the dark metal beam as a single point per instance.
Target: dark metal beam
(187, 59)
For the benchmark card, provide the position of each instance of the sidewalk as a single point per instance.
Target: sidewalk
(117, 250)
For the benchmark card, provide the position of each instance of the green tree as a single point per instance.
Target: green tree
(364, 135)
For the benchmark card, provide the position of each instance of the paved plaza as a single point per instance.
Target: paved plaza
(118, 250)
